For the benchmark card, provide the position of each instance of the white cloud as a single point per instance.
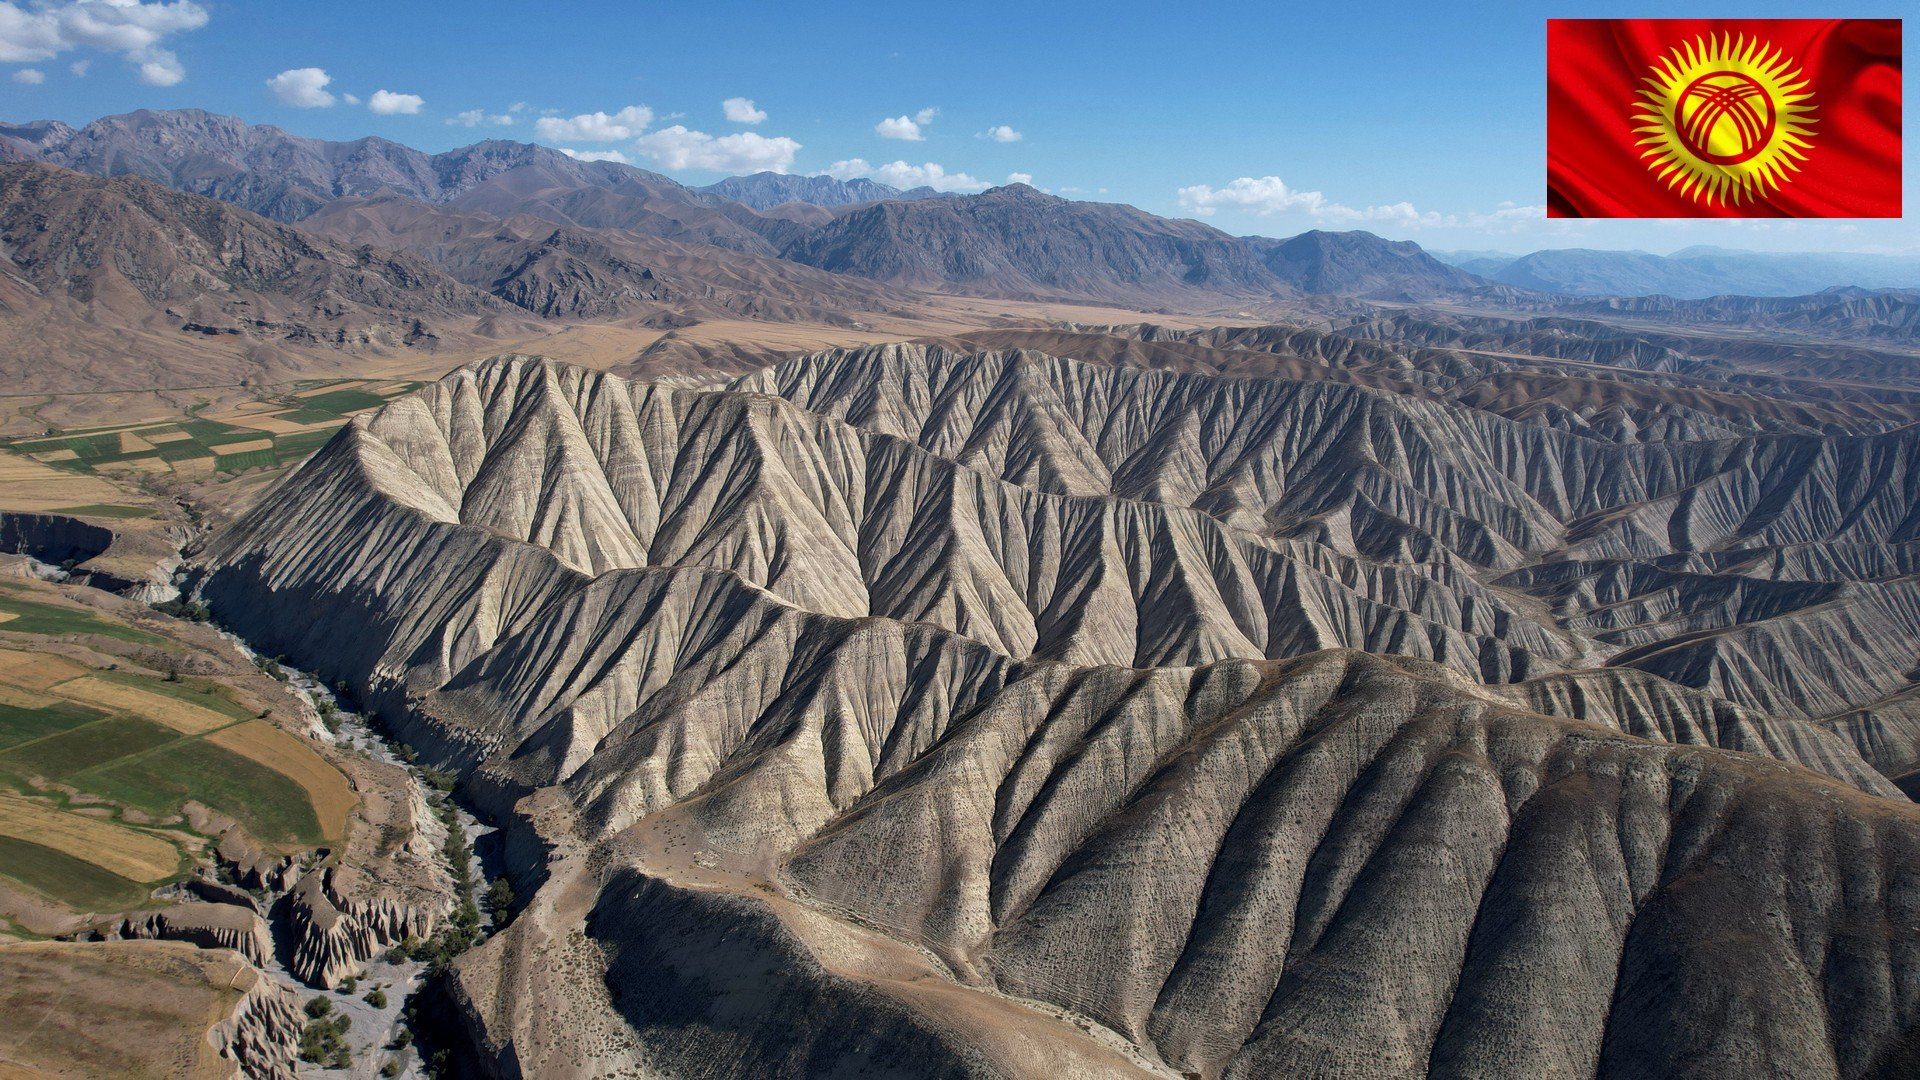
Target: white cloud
(477, 117)
(1001, 133)
(30, 76)
(302, 88)
(1267, 196)
(1508, 216)
(1020, 178)
(903, 175)
(742, 111)
(899, 127)
(351, 99)
(925, 116)
(594, 126)
(159, 67)
(595, 155)
(388, 103)
(79, 68)
(134, 30)
(743, 152)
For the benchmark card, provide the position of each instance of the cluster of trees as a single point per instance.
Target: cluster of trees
(324, 1040)
(463, 930)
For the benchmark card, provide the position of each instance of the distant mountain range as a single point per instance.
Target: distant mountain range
(1690, 274)
(1013, 242)
(766, 190)
(559, 237)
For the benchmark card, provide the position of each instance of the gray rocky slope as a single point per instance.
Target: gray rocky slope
(936, 714)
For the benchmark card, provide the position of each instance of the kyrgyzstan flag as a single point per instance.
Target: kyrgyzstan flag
(1665, 118)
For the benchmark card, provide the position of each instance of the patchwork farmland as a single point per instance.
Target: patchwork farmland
(259, 435)
(106, 752)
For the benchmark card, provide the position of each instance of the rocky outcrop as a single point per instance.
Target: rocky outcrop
(208, 925)
(135, 559)
(337, 928)
(262, 1035)
(52, 538)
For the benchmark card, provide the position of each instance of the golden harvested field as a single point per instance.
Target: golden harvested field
(331, 387)
(37, 671)
(182, 716)
(242, 447)
(25, 699)
(7, 617)
(257, 740)
(135, 856)
(159, 438)
(132, 1009)
(26, 484)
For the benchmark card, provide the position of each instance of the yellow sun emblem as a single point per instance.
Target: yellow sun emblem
(1726, 119)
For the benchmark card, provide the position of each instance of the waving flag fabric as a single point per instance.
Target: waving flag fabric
(1723, 118)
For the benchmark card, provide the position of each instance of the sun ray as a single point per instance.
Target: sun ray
(1724, 120)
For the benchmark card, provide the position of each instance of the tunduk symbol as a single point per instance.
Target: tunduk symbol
(1725, 117)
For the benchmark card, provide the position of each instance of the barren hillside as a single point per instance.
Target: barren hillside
(1004, 713)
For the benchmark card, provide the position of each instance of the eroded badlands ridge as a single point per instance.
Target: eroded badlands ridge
(916, 683)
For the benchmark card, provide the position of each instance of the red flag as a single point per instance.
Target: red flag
(1723, 118)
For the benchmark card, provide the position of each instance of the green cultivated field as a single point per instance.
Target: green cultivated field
(251, 459)
(97, 765)
(74, 882)
(34, 618)
(58, 757)
(308, 416)
(270, 806)
(153, 768)
(342, 402)
(105, 510)
(19, 725)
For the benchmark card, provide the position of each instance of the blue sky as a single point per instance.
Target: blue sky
(1414, 120)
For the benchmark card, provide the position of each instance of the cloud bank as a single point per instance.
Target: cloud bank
(677, 147)
(902, 175)
(1267, 196)
(132, 29)
(595, 126)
